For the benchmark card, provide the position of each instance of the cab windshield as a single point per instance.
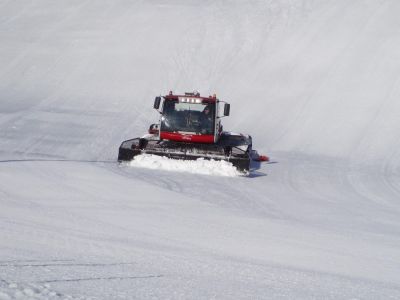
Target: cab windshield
(188, 117)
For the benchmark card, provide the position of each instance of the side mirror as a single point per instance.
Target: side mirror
(157, 102)
(227, 108)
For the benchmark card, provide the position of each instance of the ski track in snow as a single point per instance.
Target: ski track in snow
(315, 83)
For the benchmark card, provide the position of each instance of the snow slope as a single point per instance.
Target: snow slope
(316, 83)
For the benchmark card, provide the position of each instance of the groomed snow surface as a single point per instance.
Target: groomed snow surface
(316, 84)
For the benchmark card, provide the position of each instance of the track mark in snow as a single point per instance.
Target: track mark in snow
(56, 160)
(32, 260)
(101, 278)
(66, 265)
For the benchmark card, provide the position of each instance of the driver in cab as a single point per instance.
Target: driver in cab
(206, 119)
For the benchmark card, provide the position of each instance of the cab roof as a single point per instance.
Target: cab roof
(194, 95)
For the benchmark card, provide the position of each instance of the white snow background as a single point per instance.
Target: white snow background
(317, 85)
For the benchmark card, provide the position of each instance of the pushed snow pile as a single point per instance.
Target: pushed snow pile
(32, 291)
(199, 166)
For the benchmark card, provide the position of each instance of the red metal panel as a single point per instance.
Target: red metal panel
(190, 138)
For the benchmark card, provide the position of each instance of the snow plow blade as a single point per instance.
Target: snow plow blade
(235, 149)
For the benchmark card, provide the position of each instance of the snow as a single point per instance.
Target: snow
(31, 291)
(199, 166)
(315, 83)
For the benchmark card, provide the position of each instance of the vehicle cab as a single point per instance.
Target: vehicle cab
(190, 118)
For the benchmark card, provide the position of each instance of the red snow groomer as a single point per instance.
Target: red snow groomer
(190, 128)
